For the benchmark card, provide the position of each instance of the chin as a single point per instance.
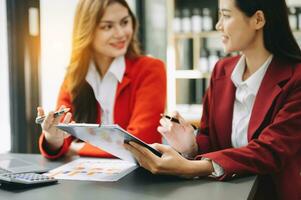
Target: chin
(122, 51)
(228, 50)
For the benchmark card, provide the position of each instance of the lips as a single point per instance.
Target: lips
(224, 38)
(119, 45)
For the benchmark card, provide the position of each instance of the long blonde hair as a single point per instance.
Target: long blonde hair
(87, 17)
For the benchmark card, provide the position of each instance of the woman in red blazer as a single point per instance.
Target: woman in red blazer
(107, 80)
(252, 110)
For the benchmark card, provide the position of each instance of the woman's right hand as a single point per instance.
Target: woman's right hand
(180, 136)
(54, 136)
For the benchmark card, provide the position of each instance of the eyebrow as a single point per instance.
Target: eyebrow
(225, 10)
(109, 22)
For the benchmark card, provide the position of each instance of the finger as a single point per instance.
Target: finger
(162, 130)
(144, 161)
(161, 147)
(58, 119)
(175, 114)
(165, 122)
(182, 120)
(147, 154)
(48, 121)
(67, 118)
(135, 152)
(40, 111)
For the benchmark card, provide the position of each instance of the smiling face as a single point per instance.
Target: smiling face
(114, 32)
(238, 30)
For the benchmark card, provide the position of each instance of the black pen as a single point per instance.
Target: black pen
(40, 119)
(172, 119)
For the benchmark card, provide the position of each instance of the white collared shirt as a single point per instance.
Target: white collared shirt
(245, 95)
(105, 88)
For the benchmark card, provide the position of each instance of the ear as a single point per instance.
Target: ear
(258, 20)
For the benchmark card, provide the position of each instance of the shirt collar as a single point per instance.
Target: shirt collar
(117, 68)
(254, 81)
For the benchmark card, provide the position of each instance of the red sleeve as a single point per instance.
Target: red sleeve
(63, 99)
(202, 137)
(150, 98)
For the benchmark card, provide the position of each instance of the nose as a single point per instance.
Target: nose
(119, 32)
(218, 25)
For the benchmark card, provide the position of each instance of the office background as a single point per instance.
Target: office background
(35, 45)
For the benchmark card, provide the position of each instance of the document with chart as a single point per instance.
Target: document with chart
(110, 138)
(93, 169)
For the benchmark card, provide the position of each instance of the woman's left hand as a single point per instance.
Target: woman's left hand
(171, 162)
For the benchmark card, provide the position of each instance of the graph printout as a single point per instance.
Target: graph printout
(93, 169)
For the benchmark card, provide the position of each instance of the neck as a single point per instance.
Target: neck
(255, 55)
(102, 64)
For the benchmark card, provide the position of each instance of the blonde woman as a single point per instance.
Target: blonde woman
(107, 81)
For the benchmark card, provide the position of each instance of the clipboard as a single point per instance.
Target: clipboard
(109, 138)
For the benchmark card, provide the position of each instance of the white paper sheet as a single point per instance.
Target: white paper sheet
(93, 169)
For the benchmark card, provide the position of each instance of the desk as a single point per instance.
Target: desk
(140, 185)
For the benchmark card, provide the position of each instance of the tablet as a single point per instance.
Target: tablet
(109, 138)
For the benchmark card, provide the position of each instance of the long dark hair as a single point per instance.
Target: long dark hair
(87, 17)
(278, 36)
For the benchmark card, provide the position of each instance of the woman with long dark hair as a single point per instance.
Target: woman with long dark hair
(107, 81)
(252, 110)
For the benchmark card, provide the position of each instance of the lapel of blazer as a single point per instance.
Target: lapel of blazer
(125, 80)
(224, 96)
(268, 91)
(121, 86)
(121, 100)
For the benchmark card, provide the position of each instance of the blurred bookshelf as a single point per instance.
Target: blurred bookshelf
(193, 47)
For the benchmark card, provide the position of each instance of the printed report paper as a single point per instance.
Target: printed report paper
(93, 169)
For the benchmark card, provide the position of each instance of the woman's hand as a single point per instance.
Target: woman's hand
(54, 136)
(170, 163)
(180, 136)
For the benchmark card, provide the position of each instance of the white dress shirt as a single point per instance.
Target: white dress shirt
(105, 88)
(246, 92)
(245, 95)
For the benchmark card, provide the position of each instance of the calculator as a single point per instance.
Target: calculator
(28, 179)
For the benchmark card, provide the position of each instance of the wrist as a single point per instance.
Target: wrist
(191, 152)
(53, 142)
(196, 168)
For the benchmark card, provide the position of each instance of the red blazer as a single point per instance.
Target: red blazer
(274, 132)
(139, 101)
